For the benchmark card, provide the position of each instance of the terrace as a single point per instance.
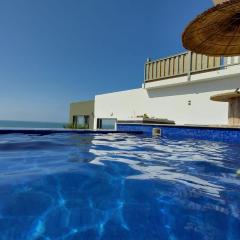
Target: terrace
(187, 66)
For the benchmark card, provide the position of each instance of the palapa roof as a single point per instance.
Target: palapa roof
(225, 97)
(216, 32)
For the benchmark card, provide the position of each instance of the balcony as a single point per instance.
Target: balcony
(185, 64)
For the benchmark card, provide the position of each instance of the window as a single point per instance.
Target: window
(106, 123)
(81, 121)
(74, 121)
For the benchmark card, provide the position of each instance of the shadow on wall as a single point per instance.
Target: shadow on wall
(196, 88)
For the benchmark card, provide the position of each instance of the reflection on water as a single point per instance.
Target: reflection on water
(117, 186)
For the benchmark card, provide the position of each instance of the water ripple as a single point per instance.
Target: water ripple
(116, 186)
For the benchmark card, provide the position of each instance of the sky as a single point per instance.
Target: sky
(53, 52)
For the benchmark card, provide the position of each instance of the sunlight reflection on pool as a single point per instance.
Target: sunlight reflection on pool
(117, 186)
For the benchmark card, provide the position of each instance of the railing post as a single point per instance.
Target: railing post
(146, 71)
(189, 67)
(145, 74)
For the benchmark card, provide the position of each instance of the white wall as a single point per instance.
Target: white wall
(170, 102)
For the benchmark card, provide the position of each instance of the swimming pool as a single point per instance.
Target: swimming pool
(117, 186)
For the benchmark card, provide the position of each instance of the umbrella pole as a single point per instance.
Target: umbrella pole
(234, 112)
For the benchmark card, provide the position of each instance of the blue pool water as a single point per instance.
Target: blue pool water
(117, 186)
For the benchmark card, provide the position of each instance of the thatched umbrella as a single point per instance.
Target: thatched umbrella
(219, 1)
(216, 32)
(233, 99)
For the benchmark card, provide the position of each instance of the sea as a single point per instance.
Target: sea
(30, 124)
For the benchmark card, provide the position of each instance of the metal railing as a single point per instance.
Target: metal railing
(184, 64)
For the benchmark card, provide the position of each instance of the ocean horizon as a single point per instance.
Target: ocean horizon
(29, 124)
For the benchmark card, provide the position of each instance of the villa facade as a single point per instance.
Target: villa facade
(177, 88)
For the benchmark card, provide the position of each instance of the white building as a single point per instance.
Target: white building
(177, 88)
